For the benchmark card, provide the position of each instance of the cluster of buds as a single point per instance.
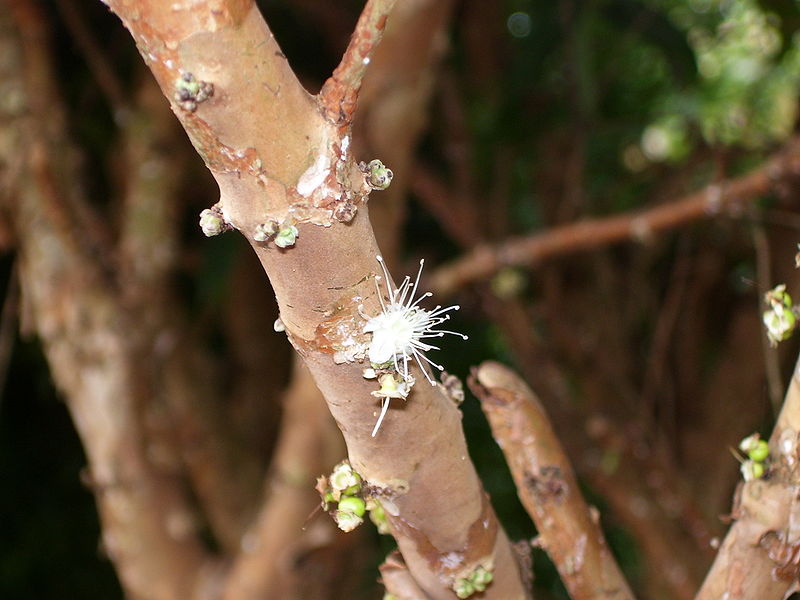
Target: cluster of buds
(474, 583)
(189, 91)
(341, 493)
(780, 318)
(757, 451)
(283, 234)
(212, 222)
(377, 175)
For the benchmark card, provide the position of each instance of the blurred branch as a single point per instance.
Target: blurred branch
(546, 484)
(772, 365)
(308, 445)
(182, 380)
(95, 57)
(485, 260)
(91, 343)
(393, 106)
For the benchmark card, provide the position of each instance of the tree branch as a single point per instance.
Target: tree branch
(339, 94)
(485, 260)
(547, 486)
(277, 159)
(754, 562)
(91, 344)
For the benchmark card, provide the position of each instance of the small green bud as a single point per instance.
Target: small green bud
(778, 296)
(264, 231)
(286, 237)
(353, 504)
(755, 448)
(352, 490)
(760, 452)
(345, 478)
(482, 577)
(752, 470)
(780, 323)
(189, 83)
(346, 520)
(389, 597)
(378, 516)
(211, 222)
(378, 176)
(463, 588)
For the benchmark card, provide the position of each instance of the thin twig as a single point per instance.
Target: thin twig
(485, 260)
(339, 94)
(763, 281)
(95, 56)
(8, 326)
(546, 484)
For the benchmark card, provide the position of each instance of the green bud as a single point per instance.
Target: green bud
(463, 588)
(778, 296)
(346, 520)
(264, 231)
(286, 237)
(211, 223)
(760, 452)
(189, 83)
(345, 478)
(482, 577)
(780, 323)
(353, 489)
(752, 470)
(378, 516)
(353, 504)
(378, 176)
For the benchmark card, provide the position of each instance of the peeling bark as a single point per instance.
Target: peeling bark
(276, 157)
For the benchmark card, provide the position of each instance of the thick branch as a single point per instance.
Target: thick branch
(546, 484)
(276, 157)
(485, 260)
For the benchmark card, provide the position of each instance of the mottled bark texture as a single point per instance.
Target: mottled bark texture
(568, 530)
(280, 155)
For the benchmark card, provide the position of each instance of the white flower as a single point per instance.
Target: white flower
(398, 332)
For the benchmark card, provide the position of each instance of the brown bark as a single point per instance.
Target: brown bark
(764, 536)
(148, 521)
(547, 486)
(276, 156)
